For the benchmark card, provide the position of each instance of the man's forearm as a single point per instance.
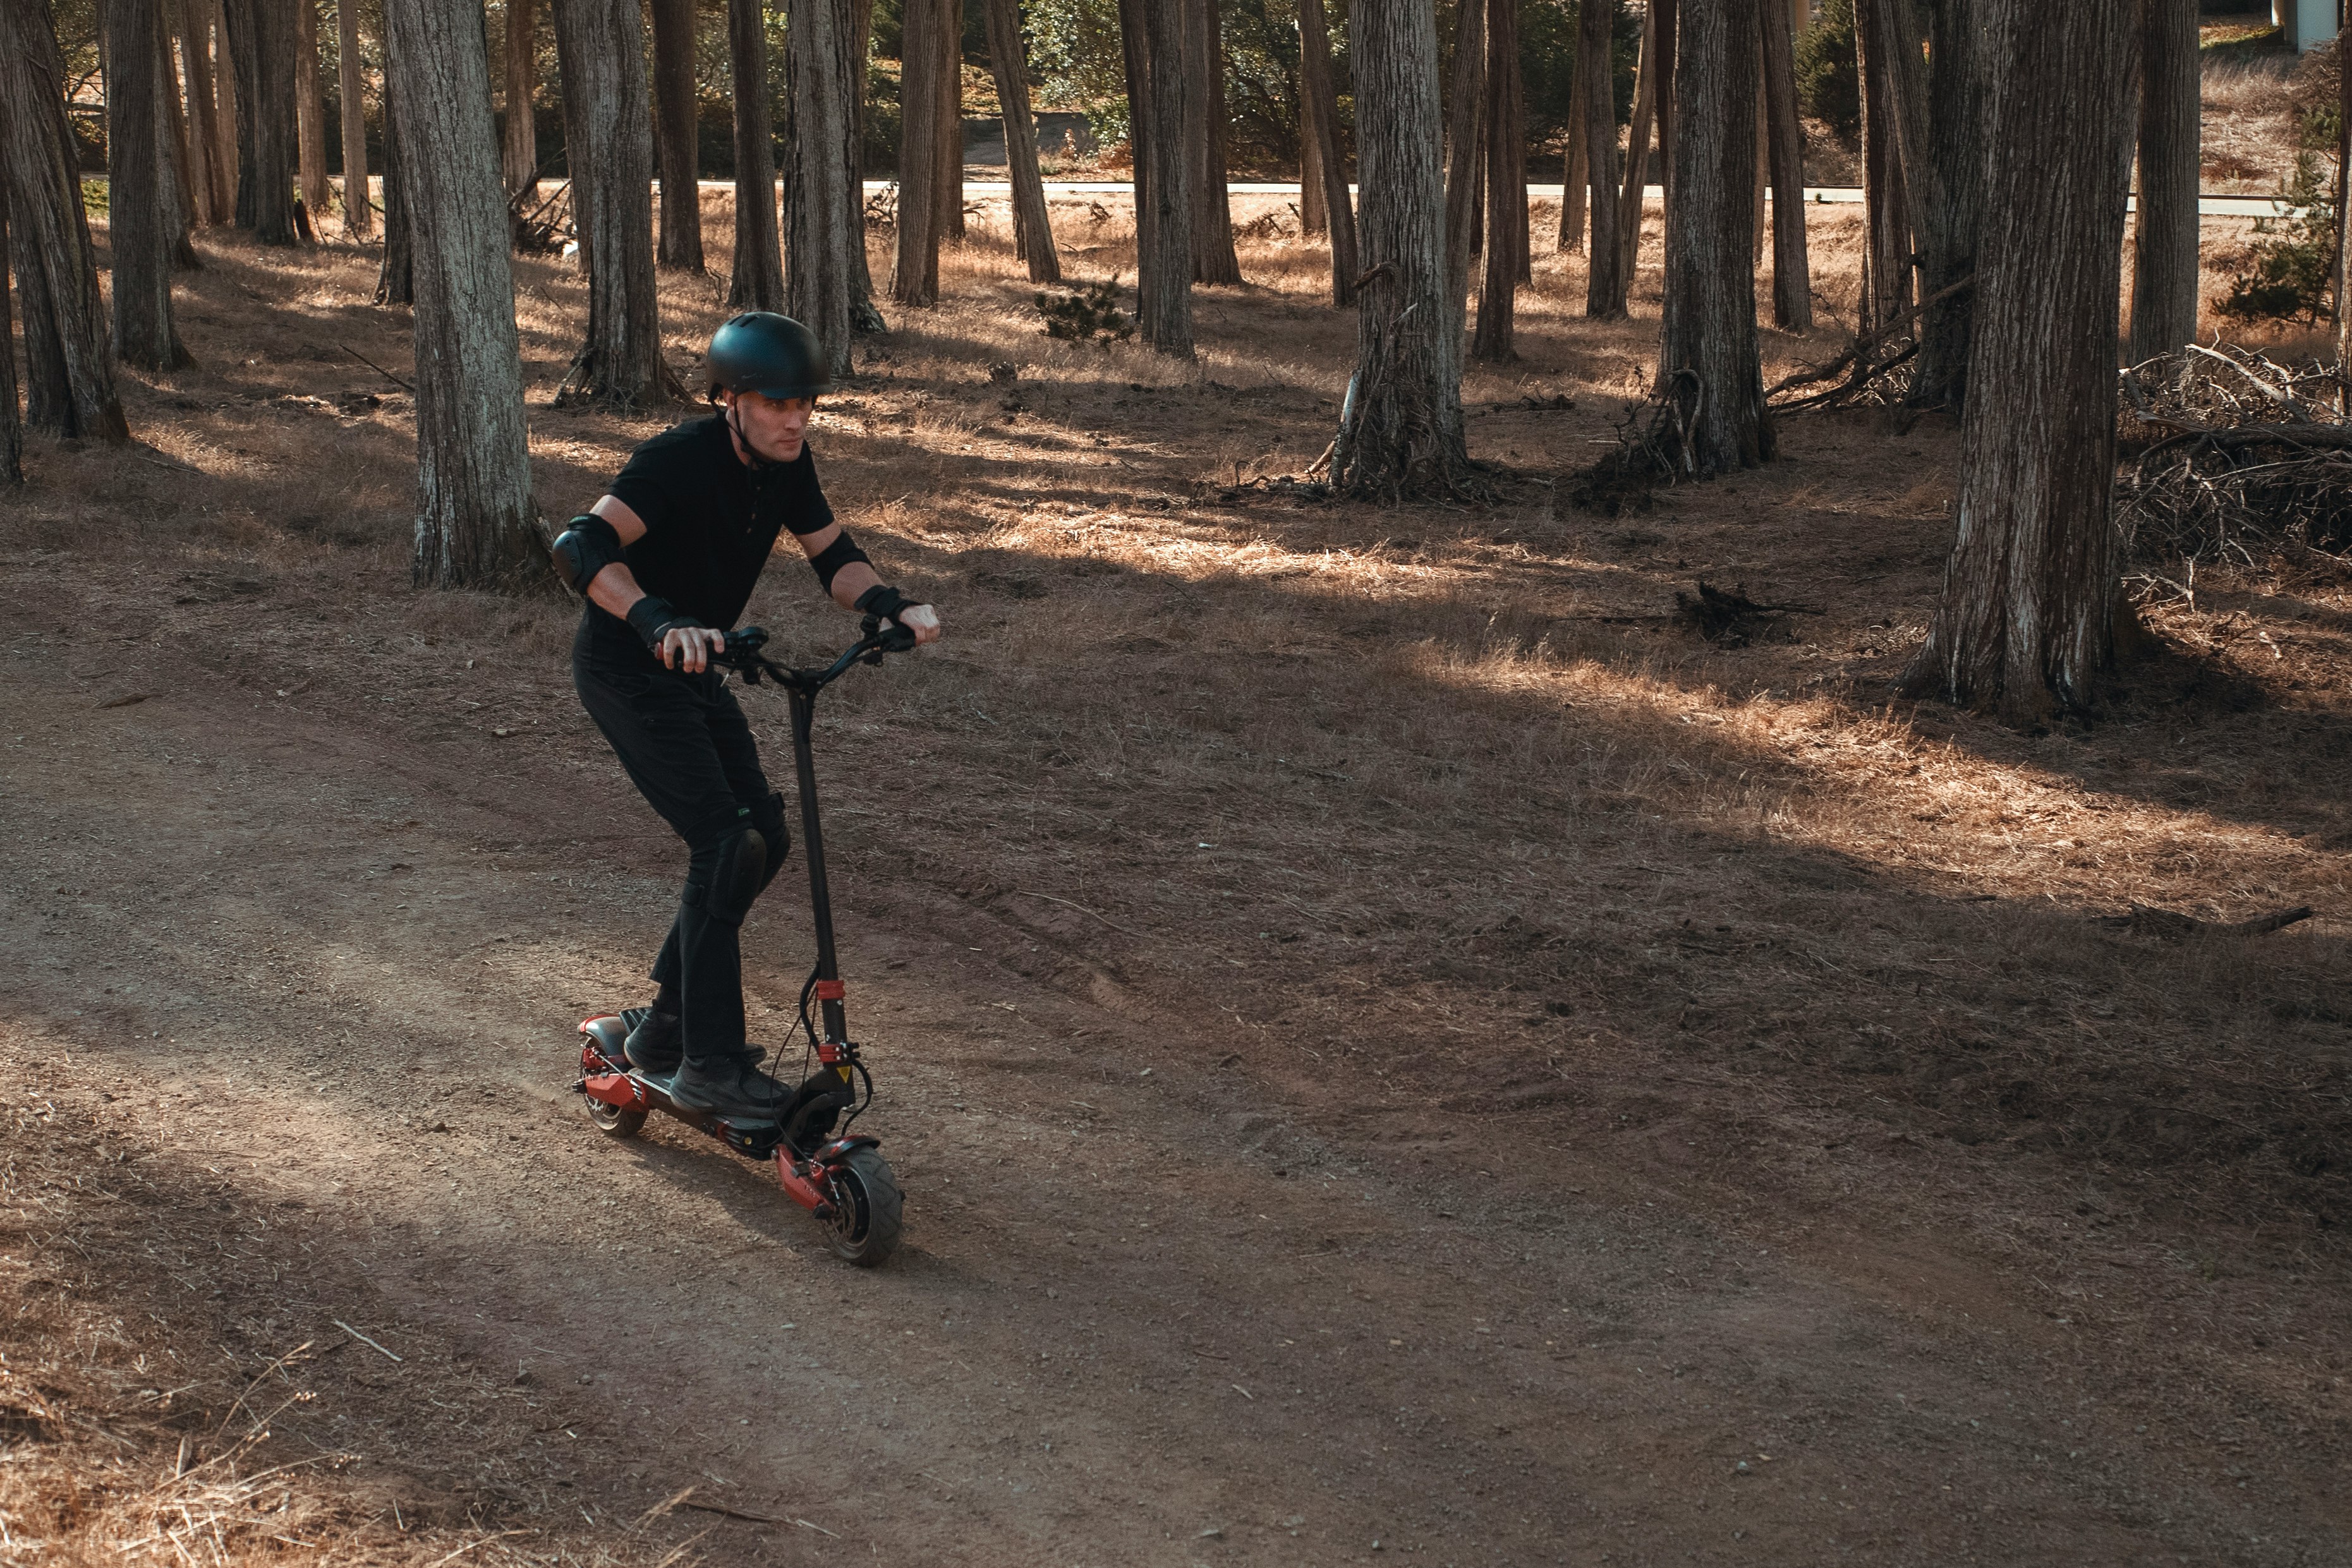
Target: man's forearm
(614, 589)
(852, 580)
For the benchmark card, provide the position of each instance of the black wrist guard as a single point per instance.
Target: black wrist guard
(886, 601)
(652, 616)
(828, 561)
(587, 545)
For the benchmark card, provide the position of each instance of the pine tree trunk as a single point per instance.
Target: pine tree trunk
(1576, 173)
(1163, 213)
(518, 154)
(475, 523)
(1637, 151)
(677, 143)
(69, 372)
(2344, 203)
(1033, 230)
(226, 118)
(1315, 86)
(2027, 623)
(1314, 211)
(1666, 12)
(137, 214)
(1939, 118)
(822, 288)
(608, 138)
(863, 314)
(179, 194)
(1605, 286)
(12, 421)
(1792, 277)
(1401, 431)
(263, 37)
(1214, 260)
(1709, 366)
(915, 280)
(1506, 187)
(208, 179)
(309, 111)
(1466, 152)
(1886, 212)
(358, 202)
(2164, 230)
(395, 279)
(950, 208)
(758, 279)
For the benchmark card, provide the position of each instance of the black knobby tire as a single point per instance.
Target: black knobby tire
(613, 1121)
(863, 1229)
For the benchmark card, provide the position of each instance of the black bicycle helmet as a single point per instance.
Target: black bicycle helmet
(763, 352)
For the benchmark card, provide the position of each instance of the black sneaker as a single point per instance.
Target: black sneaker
(731, 1086)
(653, 1045)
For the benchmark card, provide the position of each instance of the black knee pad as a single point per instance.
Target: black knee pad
(767, 817)
(737, 870)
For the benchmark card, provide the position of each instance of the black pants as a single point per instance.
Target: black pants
(684, 744)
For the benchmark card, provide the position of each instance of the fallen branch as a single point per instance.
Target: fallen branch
(1808, 374)
(377, 367)
(2175, 927)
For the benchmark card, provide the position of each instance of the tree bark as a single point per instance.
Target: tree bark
(1214, 260)
(863, 314)
(395, 279)
(1400, 428)
(138, 209)
(70, 372)
(1466, 152)
(1314, 211)
(823, 289)
(2343, 200)
(1576, 171)
(1708, 367)
(208, 178)
(12, 420)
(1605, 284)
(1154, 37)
(608, 138)
(2027, 623)
(519, 147)
(1886, 214)
(677, 142)
(309, 111)
(1316, 88)
(358, 202)
(2164, 230)
(950, 164)
(915, 280)
(264, 39)
(1033, 230)
(1939, 116)
(1792, 277)
(758, 279)
(227, 119)
(475, 523)
(1506, 187)
(1644, 121)
(179, 194)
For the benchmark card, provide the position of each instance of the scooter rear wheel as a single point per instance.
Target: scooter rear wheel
(864, 1230)
(615, 1121)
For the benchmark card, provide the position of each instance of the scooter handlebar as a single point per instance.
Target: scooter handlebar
(742, 653)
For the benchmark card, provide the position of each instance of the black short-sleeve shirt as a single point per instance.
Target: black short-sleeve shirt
(711, 519)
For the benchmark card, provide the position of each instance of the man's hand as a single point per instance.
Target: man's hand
(921, 620)
(689, 648)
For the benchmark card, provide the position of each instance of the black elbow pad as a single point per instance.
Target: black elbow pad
(828, 561)
(586, 547)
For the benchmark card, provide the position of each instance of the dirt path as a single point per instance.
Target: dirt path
(1166, 1316)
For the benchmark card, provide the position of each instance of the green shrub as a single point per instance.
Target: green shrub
(2292, 273)
(1828, 82)
(1090, 316)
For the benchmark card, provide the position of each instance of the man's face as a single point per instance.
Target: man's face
(771, 426)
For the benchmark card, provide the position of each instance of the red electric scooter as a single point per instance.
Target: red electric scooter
(842, 1179)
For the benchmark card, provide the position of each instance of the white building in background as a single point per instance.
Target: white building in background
(2304, 23)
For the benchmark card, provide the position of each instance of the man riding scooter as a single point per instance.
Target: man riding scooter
(667, 559)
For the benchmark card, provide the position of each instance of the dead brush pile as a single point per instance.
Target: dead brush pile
(2240, 462)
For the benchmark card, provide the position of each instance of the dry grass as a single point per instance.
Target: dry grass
(2249, 133)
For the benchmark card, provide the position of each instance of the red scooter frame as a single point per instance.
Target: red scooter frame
(843, 1180)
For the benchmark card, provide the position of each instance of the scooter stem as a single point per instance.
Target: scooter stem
(829, 966)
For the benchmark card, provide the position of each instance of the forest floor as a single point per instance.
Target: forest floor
(1398, 1049)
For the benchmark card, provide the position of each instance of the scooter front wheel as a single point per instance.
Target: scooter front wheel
(867, 1209)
